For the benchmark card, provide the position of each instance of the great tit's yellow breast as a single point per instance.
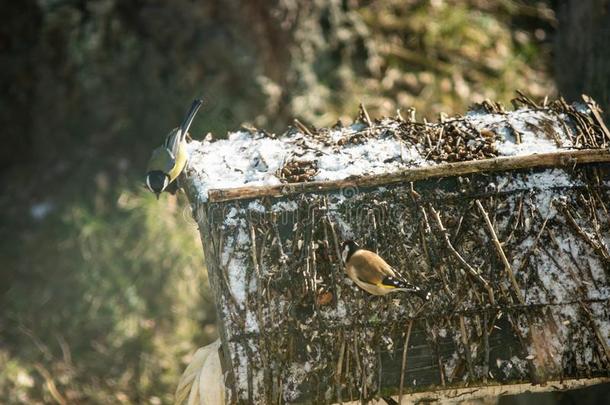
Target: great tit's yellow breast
(181, 158)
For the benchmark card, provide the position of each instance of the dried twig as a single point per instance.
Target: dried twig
(598, 247)
(404, 361)
(507, 267)
(364, 114)
(339, 371)
(600, 336)
(473, 273)
(50, 383)
(466, 343)
(485, 347)
(302, 127)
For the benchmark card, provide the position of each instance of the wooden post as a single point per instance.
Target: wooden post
(514, 249)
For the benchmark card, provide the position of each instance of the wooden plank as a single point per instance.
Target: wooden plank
(476, 393)
(505, 163)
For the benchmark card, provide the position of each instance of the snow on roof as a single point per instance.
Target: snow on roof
(253, 158)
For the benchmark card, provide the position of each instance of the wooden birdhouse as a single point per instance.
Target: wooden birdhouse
(502, 215)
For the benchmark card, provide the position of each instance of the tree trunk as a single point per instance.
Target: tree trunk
(582, 53)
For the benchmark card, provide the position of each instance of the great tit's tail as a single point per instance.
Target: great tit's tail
(189, 117)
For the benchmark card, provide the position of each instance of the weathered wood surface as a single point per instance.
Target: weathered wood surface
(517, 260)
(468, 395)
(284, 345)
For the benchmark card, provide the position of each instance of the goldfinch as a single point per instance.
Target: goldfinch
(371, 273)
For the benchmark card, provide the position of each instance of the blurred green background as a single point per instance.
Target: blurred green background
(103, 289)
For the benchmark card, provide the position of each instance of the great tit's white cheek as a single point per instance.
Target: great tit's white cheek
(148, 183)
(345, 253)
(165, 182)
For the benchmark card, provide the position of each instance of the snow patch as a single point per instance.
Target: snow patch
(255, 159)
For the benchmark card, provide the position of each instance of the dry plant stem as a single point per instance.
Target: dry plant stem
(357, 358)
(366, 115)
(259, 312)
(554, 159)
(439, 363)
(60, 399)
(426, 229)
(594, 244)
(302, 127)
(466, 343)
(598, 334)
(515, 132)
(498, 245)
(379, 367)
(337, 252)
(399, 115)
(404, 361)
(312, 250)
(517, 219)
(526, 100)
(340, 369)
(458, 229)
(596, 113)
(486, 347)
(253, 250)
(567, 133)
(279, 241)
(558, 141)
(227, 288)
(534, 246)
(473, 273)
(350, 390)
(530, 364)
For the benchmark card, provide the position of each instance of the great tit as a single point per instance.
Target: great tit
(167, 161)
(371, 273)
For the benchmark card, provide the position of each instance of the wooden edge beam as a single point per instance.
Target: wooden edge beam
(558, 159)
(455, 395)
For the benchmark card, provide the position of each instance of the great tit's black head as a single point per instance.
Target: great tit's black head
(156, 181)
(348, 248)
